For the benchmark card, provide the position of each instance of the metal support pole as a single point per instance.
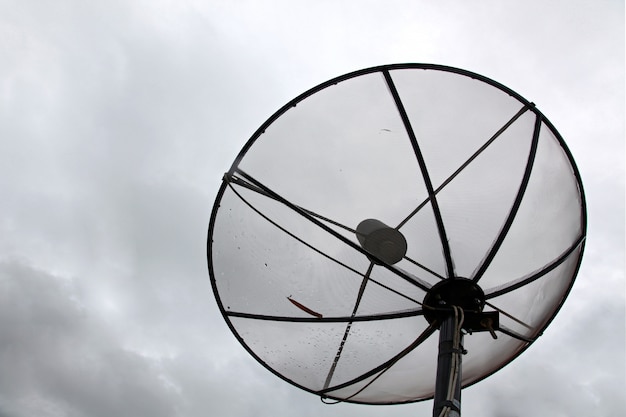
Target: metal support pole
(447, 401)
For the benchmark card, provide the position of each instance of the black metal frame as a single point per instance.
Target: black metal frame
(422, 163)
(238, 177)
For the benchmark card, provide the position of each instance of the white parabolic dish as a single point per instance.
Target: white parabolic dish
(473, 176)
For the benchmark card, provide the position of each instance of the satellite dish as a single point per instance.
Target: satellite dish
(389, 222)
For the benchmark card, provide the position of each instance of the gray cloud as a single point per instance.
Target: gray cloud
(117, 121)
(57, 355)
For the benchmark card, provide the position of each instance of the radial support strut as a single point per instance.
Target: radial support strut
(447, 401)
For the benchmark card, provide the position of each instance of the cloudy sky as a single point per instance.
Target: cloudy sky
(117, 121)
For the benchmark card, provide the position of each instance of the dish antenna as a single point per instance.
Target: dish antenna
(383, 206)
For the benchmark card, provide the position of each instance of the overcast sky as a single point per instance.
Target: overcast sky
(117, 121)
